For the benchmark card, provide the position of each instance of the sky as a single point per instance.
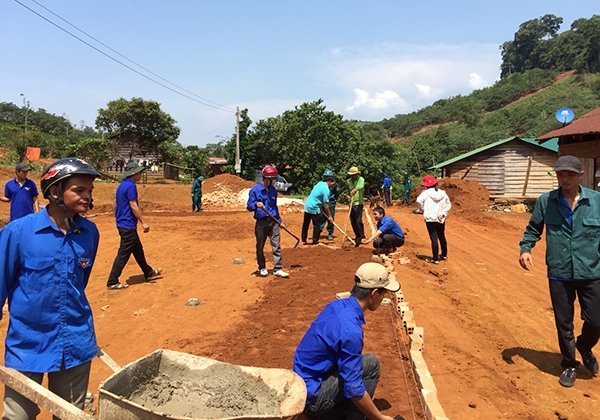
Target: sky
(200, 59)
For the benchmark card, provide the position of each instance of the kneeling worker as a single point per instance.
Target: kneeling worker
(389, 235)
(340, 380)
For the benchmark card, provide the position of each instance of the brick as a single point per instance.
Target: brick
(434, 411)
(420, 331)
(417, 340)
(404, 260)
(417, 361)
(416, 346)
(402, 307)
(427, 383)
(410, 326)
(342, 295)
(421, 373)
(399, 296)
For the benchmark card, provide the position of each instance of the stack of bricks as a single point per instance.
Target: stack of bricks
(428, 391)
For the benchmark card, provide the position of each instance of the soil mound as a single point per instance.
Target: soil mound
(465, 195)
(228, 182)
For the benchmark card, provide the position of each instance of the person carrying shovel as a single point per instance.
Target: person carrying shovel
(315, 207)
(262, 200)
(356, 185)
(45, 263)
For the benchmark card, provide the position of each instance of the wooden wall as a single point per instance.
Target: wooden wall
(503, 169)
(589, 154)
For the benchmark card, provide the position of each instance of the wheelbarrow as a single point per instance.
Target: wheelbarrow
(125, 394)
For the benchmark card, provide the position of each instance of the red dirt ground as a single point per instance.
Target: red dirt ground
(490, 340)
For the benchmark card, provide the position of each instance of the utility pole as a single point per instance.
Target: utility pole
(238, 161)
(26, 106)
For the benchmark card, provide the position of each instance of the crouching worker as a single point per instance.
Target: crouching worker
(45, 264)
(340, 380)
(388, 236)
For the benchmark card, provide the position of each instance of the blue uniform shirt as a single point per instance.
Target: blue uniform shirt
(333, 341)
(387, 182)
(267, 197)
(388, 225)
(43, 273)
(318, 195)
(21, 197)
(126, 191)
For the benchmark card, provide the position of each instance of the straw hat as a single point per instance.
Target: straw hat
(353, 171)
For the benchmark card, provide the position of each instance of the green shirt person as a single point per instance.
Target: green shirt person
(356, 185)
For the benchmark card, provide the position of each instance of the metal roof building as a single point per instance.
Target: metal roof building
(512, 167)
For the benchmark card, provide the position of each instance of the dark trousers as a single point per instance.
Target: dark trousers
(263, 229)
(356, 221)
(387, 241)
(130, 244)
(324, 219)
(316, 222)
(69, 384)
(563, 295)
(330, 402)
(197, 202)
(406, 196)
(437, 233)
(388, 197)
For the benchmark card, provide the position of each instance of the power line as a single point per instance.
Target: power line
(203, 101)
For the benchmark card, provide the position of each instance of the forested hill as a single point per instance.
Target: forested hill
(522, 104)
(542, 70)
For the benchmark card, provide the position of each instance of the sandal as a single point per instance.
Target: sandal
(154, 274)
(117, 286)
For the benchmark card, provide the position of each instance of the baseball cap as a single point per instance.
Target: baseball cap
(567, 163)
(372, 275)
(22, 167)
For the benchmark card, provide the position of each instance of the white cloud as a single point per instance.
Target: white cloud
(476, 81)
(381, 100)
(423, 89)
(388, 79)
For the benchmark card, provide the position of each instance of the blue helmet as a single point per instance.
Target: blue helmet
(328, 172)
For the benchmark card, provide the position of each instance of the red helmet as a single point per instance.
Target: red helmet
(269, 172)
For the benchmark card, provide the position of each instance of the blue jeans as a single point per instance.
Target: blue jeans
(331, 404)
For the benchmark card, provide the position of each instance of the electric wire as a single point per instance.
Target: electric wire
(128, 59)
(204, 101)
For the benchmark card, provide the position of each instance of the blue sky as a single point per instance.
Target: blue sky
(367, 60)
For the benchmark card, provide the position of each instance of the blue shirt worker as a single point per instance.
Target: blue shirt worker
(197, 194)
(388, 236)
(45, 263)
(262, 200)
(340, 380)
(21, 193)
(127, 215)
(387, 189)
(407, 187)
(334, 194)
(317, 204)
(571, 215)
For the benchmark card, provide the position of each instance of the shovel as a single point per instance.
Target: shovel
(283, 227)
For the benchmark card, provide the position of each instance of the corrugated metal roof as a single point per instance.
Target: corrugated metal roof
(586, 124)
(550, 145)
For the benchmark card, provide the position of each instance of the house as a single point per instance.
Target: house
(512, 167)
(580, 138)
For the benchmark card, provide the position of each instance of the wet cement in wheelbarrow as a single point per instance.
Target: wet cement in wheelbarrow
(221, 391)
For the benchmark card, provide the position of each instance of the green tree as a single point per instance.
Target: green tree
(197, 158)
(94, 150)
(138, 125)
(588, 60)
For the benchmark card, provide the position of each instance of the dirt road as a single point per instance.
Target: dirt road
(490, 341)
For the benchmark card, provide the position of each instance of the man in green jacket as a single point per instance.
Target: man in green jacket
(571, 215)
(197, 194)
